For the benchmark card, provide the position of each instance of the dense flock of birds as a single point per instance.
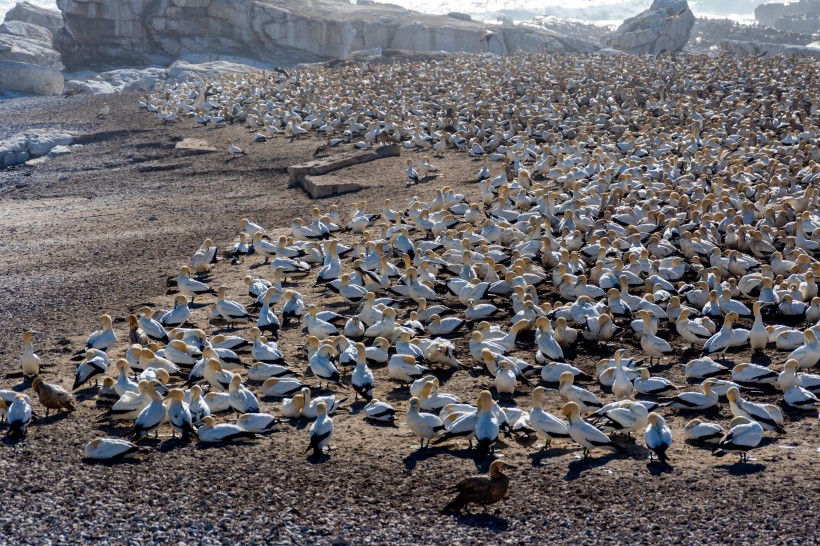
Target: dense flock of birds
(644, 209)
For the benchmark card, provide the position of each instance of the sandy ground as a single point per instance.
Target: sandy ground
(102, 230)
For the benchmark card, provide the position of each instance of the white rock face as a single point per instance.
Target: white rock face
(22, 147)
(110, 32)
(664, 27)
(763, 49)
(36, 15)
(128, 79)
(28, 43)
(29, 78)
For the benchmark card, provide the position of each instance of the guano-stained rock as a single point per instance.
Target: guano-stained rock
(115, 32)
(664, 27)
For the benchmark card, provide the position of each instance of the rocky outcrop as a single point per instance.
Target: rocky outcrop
(27, 43)
(25, 146)
(664, 27)
(30, 78)
(129, 79)
(762, 49)
(36, 15)
(804, 23)
(770, 14)
(116, 32)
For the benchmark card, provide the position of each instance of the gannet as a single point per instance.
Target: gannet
(179, 314)
(653, 386)
(584, 434)
(107, 394)
(242, 400)
(424, 425)
(543, 423)
(379, 411)
(229, 310)
(110, 449)
(403, 368)
(179, 414)
(102, 339)
(92, 367)
(505, 380)
(197, 405)
(124, 383)
(18, 417)
(362, 380)
(808, 355)
(695, 401)
(753, 374)
(258, 423)
(150, 418)
(129, 405)
(433, 400)
(657, 437)
(744, 435)
(292, 407)
(216, 377)
(700, 431)
(741, 407)
(411, 172)
(29, 361)
(622, 417)
(583, 399)
(191, 287)
(234, 150)
(279, 387)
(321, 431)
(212, 433)
(152, 328)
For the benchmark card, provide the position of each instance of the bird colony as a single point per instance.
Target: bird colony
(636, 247)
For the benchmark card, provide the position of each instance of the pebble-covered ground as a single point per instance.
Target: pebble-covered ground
(103, 229)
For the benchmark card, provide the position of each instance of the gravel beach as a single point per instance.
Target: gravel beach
(104, 228)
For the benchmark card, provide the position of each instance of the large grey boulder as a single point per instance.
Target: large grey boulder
(664, 27)
(36, 15)
(28, 43)
(30, 78)
(24, 146)
(116, 32)
(770, 14)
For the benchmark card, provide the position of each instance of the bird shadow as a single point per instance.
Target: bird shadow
(86, 394)
(742, 468)
(657, 468)
(220, 445)
(171, 444)
(53, 418)
(758, 357)
(318, 459)
(117, 462)
(578, 467)
(398, 395)
(381, 424)
(542, 454)
(484, 521)
(422, 454)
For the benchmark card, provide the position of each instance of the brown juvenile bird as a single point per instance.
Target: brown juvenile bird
(481, 490)
(135, 333)
(52, 397)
